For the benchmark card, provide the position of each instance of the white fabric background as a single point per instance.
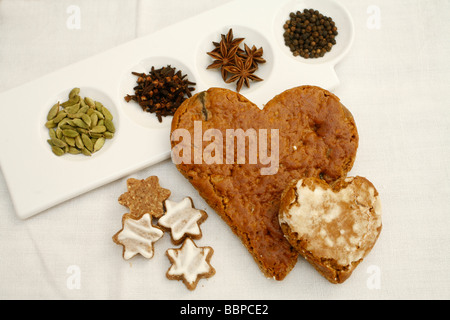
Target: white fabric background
(395, 81)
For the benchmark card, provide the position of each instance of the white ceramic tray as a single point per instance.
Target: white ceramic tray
(38, 180)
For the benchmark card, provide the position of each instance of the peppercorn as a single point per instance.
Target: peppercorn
(309, 34)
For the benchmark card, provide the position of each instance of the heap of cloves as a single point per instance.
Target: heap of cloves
(161, 91)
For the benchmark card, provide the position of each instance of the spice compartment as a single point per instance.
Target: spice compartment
(38, 180)
(329, 8)
(252, 37)
(96, 95)
(132, 109)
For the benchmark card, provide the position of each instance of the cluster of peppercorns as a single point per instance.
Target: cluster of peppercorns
(309, 34)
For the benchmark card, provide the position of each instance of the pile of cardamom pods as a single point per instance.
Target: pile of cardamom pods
(79, 126)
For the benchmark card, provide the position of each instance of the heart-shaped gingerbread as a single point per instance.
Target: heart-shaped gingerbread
(333, 226)
(241, 158)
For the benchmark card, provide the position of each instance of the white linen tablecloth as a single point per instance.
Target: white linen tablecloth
(395, 81)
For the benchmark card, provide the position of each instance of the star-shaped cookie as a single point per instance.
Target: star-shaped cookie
(190, 263)
(182, 219)
(144, 196)
(137, 236)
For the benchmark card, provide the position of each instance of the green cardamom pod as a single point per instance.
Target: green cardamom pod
(52, 133)
(96, 135)
(74, 92)
(73, 109)
(67, 127)
(73, 150)
(75, 115)
(89, 102)
(59, 133)
(79, 142)
(71, 102)
(70, 141)
(86, 152)
(110, 126)
(58, 143)
(59, 117)
(53, 112)
(87, 120)
(50, 124)
(80, 123)
(87, 142)
(70, 133)
(99, 114)
(63, 122)
(98, 106)
(98, 129)
(99, 144)
(84, 109)
(107, 113)
(83, 104)
(82, 130)
(94, 120)
(108, 135)
(58, 151)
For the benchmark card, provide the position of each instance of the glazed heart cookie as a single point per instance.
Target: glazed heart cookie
(241, 158)
(333, 226)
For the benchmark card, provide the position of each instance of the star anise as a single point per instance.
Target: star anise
(229, 42)
(225, 52)
(223, 58)
(231, 59)
(254, 54)
(243, 72)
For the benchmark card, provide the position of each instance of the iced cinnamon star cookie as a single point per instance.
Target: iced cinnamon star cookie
(182, 219)
(137, 236)
(190, 263)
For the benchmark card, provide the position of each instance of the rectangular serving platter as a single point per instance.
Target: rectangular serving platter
(38, 180)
